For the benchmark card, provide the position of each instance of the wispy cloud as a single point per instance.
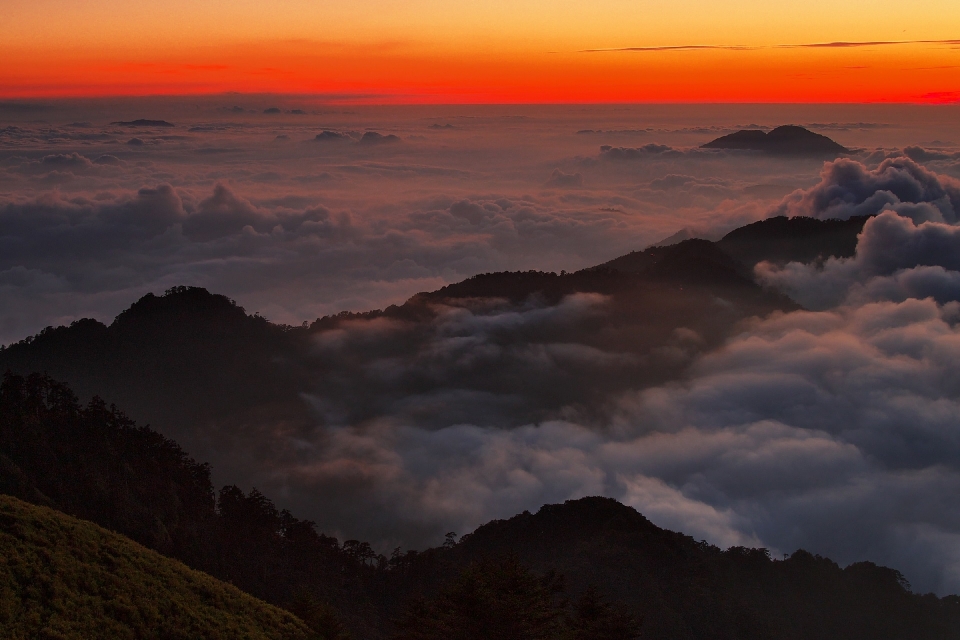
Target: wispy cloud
(876, 43)
(683, 47)
(812, 45)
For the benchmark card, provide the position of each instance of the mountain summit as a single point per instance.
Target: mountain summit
(784, 140)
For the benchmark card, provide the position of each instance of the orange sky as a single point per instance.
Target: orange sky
(519, 51)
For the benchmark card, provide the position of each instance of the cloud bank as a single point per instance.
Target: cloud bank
(849, 188)
(909, 250)
(833, 429)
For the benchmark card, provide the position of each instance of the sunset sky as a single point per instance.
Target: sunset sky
(424, 51)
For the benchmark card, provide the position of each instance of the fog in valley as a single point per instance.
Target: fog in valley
(784, 405)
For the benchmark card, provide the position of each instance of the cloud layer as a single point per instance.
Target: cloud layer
(849, 188)
(833, 429)
(297, 216)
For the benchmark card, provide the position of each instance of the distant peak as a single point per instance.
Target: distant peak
(784, 140)
(144, 123)
(676, 238)
(373, 137)
(182, 300)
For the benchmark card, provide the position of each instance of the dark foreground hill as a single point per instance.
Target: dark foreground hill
(69, 579)
(783, 140)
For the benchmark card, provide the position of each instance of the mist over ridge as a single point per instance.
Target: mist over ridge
(832, 427)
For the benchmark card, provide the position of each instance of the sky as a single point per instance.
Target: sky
(523, 51)
(832, 428)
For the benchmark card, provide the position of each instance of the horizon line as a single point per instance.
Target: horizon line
(934, 98)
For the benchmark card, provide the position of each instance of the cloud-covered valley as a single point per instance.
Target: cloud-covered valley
(251, 205)
(723, 411)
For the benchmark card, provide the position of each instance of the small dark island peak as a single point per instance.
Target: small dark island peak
(144, 123)
(784, 140)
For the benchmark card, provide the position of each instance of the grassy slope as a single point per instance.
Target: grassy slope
(61, 577)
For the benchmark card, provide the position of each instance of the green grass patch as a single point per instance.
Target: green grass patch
(64, 578)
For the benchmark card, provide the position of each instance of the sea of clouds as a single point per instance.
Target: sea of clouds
(835, 428)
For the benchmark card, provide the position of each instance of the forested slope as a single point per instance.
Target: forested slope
(69, 579)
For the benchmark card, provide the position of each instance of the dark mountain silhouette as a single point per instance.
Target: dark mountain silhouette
(781, 240)
(144, 123)
(237, 377)
(228, 370)
(778, 240)
(373, 137)
(233, 373)
(783, 140)
(332, 136)
(682, 588)
(698, 264)
(694, 262)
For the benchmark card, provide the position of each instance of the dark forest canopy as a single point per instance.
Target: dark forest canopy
(94, 463)
(589, 568)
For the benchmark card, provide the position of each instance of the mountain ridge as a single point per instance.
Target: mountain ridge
(539, 347)
(180, 341)
(591, 539)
